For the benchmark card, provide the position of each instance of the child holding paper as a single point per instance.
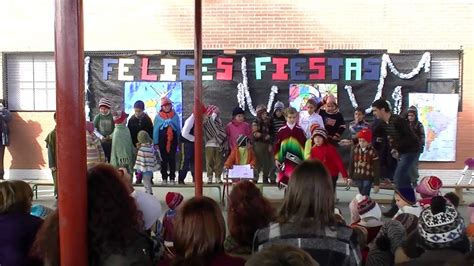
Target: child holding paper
(241, 154)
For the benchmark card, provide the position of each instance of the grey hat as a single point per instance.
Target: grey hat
(278, 105)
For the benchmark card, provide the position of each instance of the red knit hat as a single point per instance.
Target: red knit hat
(173, 199)
(313, 127)
(366, 134)
(212, 109)
(429, 186)
(121, 116)
(165, 101)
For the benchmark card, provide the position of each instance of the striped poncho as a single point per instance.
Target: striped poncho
(290, 140)
(148, 159)
(214, 130)
(95, 153)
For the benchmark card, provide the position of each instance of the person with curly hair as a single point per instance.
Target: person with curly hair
(199, 236)
(114, 222)
(248, 212)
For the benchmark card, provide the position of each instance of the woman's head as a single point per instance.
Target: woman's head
(46, 245)
(15, 197)
(199, 230)
(248, 212)
(113, 215)
(309, 196)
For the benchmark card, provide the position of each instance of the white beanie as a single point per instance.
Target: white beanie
(368, 207)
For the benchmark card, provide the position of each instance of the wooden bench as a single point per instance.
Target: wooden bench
(179, 186)
(35, 184)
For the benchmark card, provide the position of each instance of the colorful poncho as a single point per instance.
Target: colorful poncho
(123, 150)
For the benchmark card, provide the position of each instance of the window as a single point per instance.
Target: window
(30, 82)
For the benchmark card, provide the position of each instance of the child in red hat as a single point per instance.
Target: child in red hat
(365, 162)
(173, 200)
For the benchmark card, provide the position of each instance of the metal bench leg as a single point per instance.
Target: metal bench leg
(35, 190)
(458, 192)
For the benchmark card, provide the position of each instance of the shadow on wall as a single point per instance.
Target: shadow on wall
(27, 146)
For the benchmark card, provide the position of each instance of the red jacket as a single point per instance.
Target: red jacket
(327, 154)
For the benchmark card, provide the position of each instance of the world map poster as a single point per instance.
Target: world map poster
(438, 114)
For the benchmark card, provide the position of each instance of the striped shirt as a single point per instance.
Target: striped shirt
(146, 159)
(403, 139)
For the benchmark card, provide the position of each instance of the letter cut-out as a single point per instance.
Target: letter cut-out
(372, 68)
(206, 61)
(122, 68)
(168, 73)
(335, 64)
(353, 64)
(106, 68)
(259, 67)
(280, 64)
(295, 68)
(227, 65)
(145, 75)
(317, 63)
(184, 64)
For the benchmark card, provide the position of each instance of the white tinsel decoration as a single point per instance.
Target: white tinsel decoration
(87, 110)
(397, 98)
(246, 87)
(348, 88)
(274, 90)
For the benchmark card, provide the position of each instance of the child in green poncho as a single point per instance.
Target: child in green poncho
(123, 150)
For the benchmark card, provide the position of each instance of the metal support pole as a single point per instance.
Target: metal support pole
(71, 139)
(198, 143)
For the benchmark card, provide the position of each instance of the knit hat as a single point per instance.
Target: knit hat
(40, 211)
(139, 105)
(165, 101)
(278, 106)
(320, 132)
(105, 102)
(412, 109)
(470, 209)
(365, 134)
(407, 194)
(368, 207)
(89, 126)
(354, 211)
(242, 140)
(237, 111)
(429, 186)
(212, 109)
(409, 221)
(120, 117)
(440, 225)
(313, 127)
(143, 137)
(173, 199)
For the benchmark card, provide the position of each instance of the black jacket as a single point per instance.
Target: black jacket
(136, 124)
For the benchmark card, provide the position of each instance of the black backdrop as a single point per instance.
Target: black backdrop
(223, 92)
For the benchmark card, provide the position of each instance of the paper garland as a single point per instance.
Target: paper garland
(397, 98)
(243, 94)
(425, 62)
(87, 110)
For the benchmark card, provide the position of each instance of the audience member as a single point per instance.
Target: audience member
(173, 200)
(405, 199)
(199, 236)
(382, 251)
(281, 255)
(306, 220)
(428, 188)
(453, 198)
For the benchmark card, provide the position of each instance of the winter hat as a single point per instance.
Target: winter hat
(366, 134)
(212, 109)
(237, 111)
(429, 186)
(412, 109)
(89, 126)
(278, 106)
(139, 105)
(143, 137)
(105, 102)
(40, 211)
(165, 101)
(320, 132)
(470, 209)
(395, 232)
(440, 225)
(368, 207)
(120, 117)
(354, 211)
(313, 127)
(409, 221)
(173, 199)
(407, 194)
(242, 140)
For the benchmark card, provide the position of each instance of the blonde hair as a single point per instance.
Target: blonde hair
(7, 197)
(290, 111)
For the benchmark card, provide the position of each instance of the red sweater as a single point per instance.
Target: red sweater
(327, 154)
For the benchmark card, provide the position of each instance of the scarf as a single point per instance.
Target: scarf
(169, 130)
(213, 128)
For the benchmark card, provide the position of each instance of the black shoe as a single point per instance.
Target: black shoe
(265, 181)
(181, 183)
(390, 213)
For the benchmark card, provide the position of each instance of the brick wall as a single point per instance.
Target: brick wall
(248, 24)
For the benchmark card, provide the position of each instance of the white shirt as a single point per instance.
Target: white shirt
(150, 206)
(188, 125)
(306, 120)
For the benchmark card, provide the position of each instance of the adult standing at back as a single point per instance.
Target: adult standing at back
(403, 144)
(5, 118)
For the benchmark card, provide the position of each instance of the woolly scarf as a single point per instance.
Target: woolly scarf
(169, 130)
(213, 128)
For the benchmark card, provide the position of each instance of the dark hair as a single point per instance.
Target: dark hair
(248, 212)
(310, 196)
(113, 217)
(199, 232)
(360, 110)
(46, 245)
(281, 255)
(381, 103)
(453, 198)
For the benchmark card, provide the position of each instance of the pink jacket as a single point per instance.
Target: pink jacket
(234, 129)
